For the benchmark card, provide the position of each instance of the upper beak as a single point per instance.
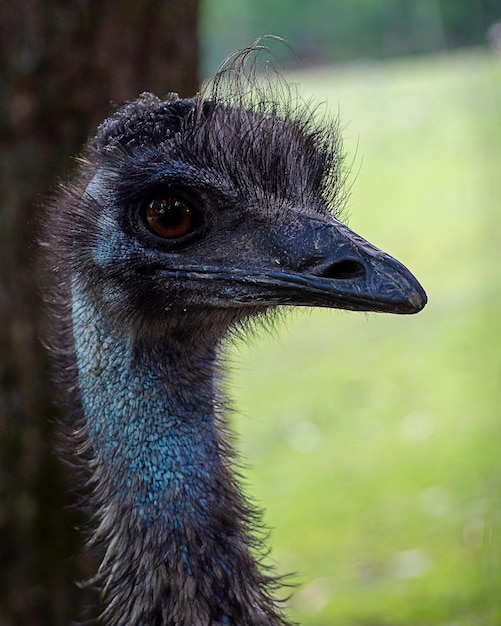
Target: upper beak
(311, 263)
(341, 270)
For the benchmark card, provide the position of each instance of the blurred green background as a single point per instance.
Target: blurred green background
(373, 442)
(336, 31)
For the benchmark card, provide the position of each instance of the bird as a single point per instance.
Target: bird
(186, 222)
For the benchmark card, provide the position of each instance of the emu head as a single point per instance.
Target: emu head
(186, 217)
(189, 212)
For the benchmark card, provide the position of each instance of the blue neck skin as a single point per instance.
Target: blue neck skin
(155, 444)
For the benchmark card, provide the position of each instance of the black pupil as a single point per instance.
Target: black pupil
(171, 213)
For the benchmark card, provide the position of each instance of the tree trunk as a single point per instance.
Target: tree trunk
(61, 64)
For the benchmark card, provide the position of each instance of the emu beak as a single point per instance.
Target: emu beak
(342, 270)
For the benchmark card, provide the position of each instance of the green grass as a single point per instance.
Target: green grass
(374, 442)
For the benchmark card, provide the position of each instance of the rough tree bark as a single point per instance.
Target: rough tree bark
(61, 63)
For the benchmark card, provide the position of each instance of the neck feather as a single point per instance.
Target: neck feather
(171, 521)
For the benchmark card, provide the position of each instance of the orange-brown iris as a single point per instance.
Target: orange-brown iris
(170, 218)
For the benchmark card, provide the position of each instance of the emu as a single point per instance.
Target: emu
(185, 220)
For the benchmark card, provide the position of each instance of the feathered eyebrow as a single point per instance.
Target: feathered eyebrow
(164, 177)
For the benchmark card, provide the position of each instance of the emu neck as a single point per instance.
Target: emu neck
(171, 520)
(156, 441)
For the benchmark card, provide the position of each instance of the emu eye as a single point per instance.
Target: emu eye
(170, 217)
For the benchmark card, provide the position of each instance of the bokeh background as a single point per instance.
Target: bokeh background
(372, 442)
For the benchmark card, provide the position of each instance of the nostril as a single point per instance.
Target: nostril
(342, 270)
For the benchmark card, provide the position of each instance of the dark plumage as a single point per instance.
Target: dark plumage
(185, 219)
